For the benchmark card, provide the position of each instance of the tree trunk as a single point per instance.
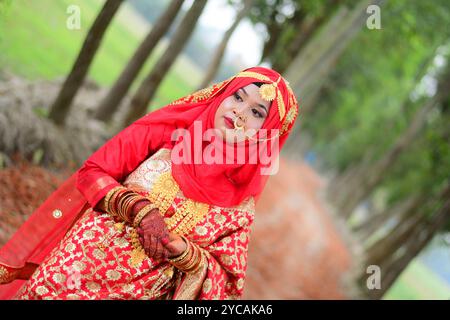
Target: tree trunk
(342, 182)
(386, 246)
(400, 210)
(274, 30)
(420, 238)
(148, 87)
(365, 183)
(307, 27)
(416, 232)
(61, 107)
(306, 30)
(108, 106)
(348, 180)
(220, 51)
(313, 63)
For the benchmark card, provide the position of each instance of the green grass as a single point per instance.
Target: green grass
(418, 282)
(35, 43)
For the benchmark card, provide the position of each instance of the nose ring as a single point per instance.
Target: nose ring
(243, 118)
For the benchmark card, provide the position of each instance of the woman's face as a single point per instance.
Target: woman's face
(247, 104)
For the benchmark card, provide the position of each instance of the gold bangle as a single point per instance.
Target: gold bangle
(136, 200)
(111, 203)
(142, 213)
(197, 263)
(110, 194)
(124, 197)
(127, 205)
(192, 262)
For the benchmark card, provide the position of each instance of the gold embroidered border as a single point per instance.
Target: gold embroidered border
(256, 75)
(190, 286)
(6, 276)
(203, 94)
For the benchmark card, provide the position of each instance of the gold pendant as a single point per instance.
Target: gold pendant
(138, 254)
(119, 226)
(267, 91)
(137, 257)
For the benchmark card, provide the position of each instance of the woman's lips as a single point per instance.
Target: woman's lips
(229, 123)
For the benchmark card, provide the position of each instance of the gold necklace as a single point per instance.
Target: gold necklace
(185, 218)
(187, 215)
(164, 191)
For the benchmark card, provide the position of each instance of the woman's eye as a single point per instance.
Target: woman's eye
(257, 113)
(238, 97)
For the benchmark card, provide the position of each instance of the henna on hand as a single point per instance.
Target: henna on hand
(153, 223)
(153, 246)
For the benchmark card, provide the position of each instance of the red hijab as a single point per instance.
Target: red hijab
(227, 184)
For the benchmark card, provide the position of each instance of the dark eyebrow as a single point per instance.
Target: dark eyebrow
(262, 106)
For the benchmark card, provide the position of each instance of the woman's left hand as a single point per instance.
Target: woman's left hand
(176, 245)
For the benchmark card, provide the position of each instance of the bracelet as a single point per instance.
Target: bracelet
(190, 260)
(191, 263)
(119, 200)
(198, 263)
(128, 206)
(195, 262)
(110, 194)
(112, 203)
(122, 203)
(142, 213)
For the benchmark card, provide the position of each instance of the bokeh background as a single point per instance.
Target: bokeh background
(360, 208)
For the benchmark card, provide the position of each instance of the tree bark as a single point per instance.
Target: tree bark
(148, 87)
(307, 27)
(348, 179)
(274, 30)
(306, 30)
(421, 237)
(383, 248)
(399, 211)
(220, 51)
(61, 107)
(410, 238)
(312, 64)
(109, 105)
(363, 185)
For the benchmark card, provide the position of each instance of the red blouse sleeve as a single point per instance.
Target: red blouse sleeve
(117, 158)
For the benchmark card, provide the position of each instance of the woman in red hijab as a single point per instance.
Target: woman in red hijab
(163, 210)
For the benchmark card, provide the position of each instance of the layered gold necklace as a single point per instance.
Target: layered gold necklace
(182, 222)
(187, 215)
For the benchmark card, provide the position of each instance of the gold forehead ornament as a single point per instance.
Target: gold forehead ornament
(268, 91)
